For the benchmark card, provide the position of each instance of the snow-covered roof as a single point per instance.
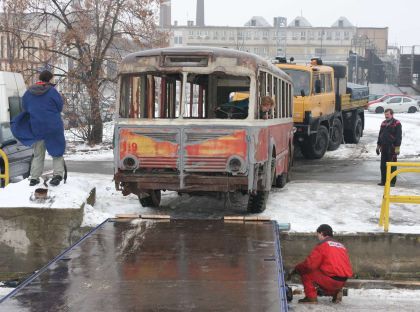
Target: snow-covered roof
(342, 22)
(258, 21)
(300, 21)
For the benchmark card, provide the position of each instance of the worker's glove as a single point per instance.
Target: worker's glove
(397, 150)
(378, 150)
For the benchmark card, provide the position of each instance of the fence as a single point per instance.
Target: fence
(388, 198)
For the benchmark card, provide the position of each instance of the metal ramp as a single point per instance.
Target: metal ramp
(162, 265)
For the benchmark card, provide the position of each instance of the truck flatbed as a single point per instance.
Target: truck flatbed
(162, 265)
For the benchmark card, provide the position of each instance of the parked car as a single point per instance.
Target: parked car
(399, 104)
(385, 97)
(373, 97)
(19, 156)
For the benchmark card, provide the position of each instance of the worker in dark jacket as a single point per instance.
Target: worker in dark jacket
(389, 142)
(40, 125)
(328, 266)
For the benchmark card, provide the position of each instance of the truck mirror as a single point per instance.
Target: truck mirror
(302, 92)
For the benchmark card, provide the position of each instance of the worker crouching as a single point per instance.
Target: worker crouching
(327, 267)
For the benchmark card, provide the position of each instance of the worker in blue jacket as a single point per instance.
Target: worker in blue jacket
(40, 125)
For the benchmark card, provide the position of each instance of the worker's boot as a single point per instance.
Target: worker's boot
(338, 297)
(308, 300)
(33, 182)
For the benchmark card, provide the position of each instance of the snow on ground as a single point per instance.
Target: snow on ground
(70, 195)
(378, 300)
(77, 150)
(349, 207)
(4, 291)
(410, 147)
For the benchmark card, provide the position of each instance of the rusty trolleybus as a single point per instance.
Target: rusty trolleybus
(179, 129)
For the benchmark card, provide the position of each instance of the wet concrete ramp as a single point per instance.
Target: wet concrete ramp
(162, 265)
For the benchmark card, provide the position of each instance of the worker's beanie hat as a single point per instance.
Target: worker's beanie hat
(45, 76)
(325, 229)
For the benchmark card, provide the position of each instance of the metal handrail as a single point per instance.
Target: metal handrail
(5, 176)
(388, 198)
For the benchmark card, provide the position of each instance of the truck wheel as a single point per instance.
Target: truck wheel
(153, 200)
(353, 136)
(257, 202)
(316, 145)
(336, 135)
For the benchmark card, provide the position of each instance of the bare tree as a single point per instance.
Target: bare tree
(84, 32)
(17, 37)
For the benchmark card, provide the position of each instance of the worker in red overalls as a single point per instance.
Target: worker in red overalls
(327, 267)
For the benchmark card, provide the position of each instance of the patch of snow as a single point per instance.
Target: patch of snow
(64, 196)
(378, 300)
(349, 207)
(410, 149)
(4, 291)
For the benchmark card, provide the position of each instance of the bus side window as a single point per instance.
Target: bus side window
(283, 99)
(276, 97)
(290, 102)
(262, 82)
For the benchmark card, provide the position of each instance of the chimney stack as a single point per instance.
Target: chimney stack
(199, 19)
(165, 14)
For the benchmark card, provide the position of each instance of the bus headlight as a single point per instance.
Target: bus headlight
(130, 162)
(235, 164)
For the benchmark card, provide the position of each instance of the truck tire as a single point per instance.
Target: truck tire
(153, 200)
(315, 146)
(257, 202)
(336, 135)
(352, 136)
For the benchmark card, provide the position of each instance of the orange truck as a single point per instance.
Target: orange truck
(327, 110)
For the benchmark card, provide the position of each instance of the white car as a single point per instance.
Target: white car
(399, 104)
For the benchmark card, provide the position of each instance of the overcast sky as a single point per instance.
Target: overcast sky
(401, 17)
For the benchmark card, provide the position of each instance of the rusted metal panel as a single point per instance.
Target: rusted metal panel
(162, 265)
(192, 182)
(154, 148)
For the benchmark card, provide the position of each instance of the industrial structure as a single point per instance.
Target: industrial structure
(363, 49)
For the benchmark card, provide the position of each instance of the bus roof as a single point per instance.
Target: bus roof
(243, 59)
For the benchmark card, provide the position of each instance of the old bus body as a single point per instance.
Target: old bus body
(179, 128)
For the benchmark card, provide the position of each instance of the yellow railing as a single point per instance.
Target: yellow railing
(5, 175)
(388, 198)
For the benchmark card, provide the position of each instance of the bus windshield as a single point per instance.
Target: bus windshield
(159, 95)
(301, 81)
